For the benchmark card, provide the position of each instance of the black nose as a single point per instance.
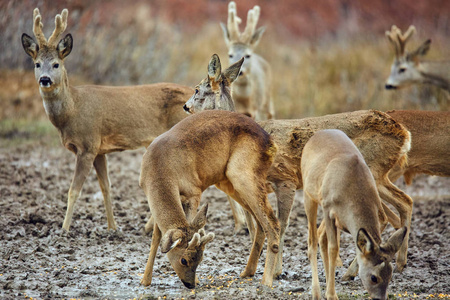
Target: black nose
(185, 108)
(188, 285)
(390, 87)
(45, 81)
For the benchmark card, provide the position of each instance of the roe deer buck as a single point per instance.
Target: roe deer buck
(409, 68)
(252, 90)
(336, 177)
(96, 120)
(213, 147)
(382, 141)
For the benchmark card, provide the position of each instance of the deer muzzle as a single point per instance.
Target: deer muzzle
(45, 81)
(390, 87)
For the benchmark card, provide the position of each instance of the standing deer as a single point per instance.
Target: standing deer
(96, 120)
(336, 177)
(213, 147)
(430, 143)
(408, 67)
(382, 141)
(252, 90)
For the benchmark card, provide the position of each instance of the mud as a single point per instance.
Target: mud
(39, 260)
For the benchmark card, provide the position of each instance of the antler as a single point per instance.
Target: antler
(234, 21)
(252, 20)
(60, 27)
(37, 27)
(398, 39)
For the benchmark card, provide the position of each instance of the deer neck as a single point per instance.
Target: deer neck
(366, 218)
(58, 103)
(242, 87)
(436, 73)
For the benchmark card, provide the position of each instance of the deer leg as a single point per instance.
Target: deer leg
(403, 203)
(322, 230)
(238, 215)
(149, 225)
(156, 239)
(83, 165)
(333, 251)
(101, 167)
(255, 252)
(311, 214)
(323, 245)
(285, 192)
(250, 224)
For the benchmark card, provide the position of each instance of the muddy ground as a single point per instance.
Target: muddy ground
(39, 260)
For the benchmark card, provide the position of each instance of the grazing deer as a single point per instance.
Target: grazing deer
(382, 141)
(96, 120)
(408, 67)
(212, 147)
(336, 177)
(252, 90)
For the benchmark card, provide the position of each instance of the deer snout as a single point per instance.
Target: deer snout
(390, 87)
(188, 285)
(45, 81)
(187, 109)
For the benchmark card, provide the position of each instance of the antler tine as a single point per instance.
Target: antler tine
(60, 27)
(252, 21)
(37, 28)
(233, 22)
(403, 38)
(392, 37)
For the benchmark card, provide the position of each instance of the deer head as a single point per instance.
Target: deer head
(48, 56)
(242, 44)
(375, 268)
(405, 69)
(214, 92)
(185, 248)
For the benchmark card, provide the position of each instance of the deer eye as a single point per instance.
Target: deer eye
(184, 262)
(230, 55)
(56, 66)
(38, 65)
(247, 56)
(401, 70)
(196, 91)
(374, 279)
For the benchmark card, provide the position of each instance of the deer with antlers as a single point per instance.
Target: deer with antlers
(336, 177)
(382, 141)
(216, 147)
(96, 120)
(252, 90)
(409, 67)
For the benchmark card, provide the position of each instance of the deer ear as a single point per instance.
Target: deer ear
(65, 46)
(30, 46)
(226, 34)
(394, 243)
(233, 71)
(364, 242)
(420, 51)
(171, 239)
(200, 219)
(257, 36)
(214, 68)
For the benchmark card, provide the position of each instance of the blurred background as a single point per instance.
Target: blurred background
(327, 56)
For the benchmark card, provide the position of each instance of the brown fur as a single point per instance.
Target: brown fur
(96, 120)
(213, 147)
(390, 147)
(430, 143)
(336, 177)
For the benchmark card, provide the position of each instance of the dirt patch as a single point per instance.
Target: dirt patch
(40, 260)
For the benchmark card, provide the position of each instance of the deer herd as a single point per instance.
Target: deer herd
(345, 162)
